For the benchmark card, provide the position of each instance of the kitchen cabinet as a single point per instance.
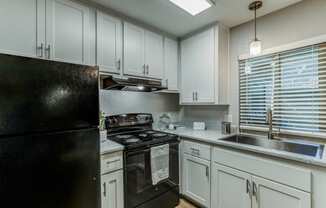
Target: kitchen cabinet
(50, 29)
(112, 180)
(67, 32)
(196, 184)
(22, 27)
(230, 188)
(268, 194)
(134, 51)
(109, 43)
(143, 52)
(236, 189)
(196, 172)
(246, 181)
(171, 64)
(112, 190)
(204, 67)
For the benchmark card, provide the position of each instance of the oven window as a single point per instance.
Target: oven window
(138, 176)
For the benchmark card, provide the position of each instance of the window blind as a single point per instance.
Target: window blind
(291, 83)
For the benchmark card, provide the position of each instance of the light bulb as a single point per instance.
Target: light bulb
(255, 47)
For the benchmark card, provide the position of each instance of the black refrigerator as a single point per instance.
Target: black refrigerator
(49, 139)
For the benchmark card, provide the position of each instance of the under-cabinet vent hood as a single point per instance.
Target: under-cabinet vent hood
(131, 84)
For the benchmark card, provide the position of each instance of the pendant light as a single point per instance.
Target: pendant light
(255, 45)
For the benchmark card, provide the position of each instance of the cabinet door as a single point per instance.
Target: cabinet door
(196, 179)
(171, 64)
(188, 72)
(22, 27)
(134, 61)
(109, 43)
(112, 190)
(67, 27)
(204, 45)
(154, 55)
(230, 188)
(268, 194)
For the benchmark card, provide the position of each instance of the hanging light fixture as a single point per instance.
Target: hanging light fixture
(255, 45)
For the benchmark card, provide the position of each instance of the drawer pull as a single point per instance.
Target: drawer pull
(254, 190)
(195, 151)
(104, 189)
(248, 187)
(112, 161)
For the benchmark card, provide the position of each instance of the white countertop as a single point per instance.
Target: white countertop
(109, 146)
(214, 137)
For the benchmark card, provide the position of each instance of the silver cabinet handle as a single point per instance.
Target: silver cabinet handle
(147, 69)
(144, 69)
(119, 65)
(207, 171)
(196, 96)
(195, 151)
(104, 189)
(40, 48)
(48, 51)
(167, 83)
(248, 187)
(113, 161)
(254, 190)
(193, 96)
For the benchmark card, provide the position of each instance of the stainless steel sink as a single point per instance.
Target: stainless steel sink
(302, 148)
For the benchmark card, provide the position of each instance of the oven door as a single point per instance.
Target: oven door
(138, 179)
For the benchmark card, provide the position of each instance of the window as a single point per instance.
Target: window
(292, 84)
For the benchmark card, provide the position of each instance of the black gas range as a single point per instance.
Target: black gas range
(135, 133)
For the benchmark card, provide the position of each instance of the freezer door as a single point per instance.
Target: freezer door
(58, 170)
(44, 96)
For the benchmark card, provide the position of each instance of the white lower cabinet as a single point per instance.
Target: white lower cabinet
(112, 180)
(112, 190)
(196, 179)
(232, 188)
(268, 194)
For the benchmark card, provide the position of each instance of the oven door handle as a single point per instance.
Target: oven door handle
(138, 152)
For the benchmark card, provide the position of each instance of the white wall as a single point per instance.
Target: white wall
(300, 21)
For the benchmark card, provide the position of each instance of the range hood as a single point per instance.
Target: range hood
(132, 84)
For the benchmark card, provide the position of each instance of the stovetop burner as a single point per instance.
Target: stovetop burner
(135, 131)
(141, 138)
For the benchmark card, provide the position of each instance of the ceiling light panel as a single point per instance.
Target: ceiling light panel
(193, 7)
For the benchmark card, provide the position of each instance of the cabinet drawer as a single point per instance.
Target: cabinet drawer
(197, 149)
(111, 162)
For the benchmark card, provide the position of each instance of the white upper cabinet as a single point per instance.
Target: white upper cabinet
(204, 67)
(188, 84)
(171, 58)
(134, 51)
(154, 55)
(143, 52)
(109, 43)
(67, 32)
(22, 27)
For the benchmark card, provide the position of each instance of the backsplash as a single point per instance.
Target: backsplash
(118, 102)
(211, 115)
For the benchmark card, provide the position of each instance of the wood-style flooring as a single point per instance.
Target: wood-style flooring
(185, 204)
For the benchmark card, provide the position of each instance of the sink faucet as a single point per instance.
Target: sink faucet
(269, 121)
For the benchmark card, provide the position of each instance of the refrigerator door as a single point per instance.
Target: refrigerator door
(59, 170)
(44, 96)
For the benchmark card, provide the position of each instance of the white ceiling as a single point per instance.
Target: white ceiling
(166, 16)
